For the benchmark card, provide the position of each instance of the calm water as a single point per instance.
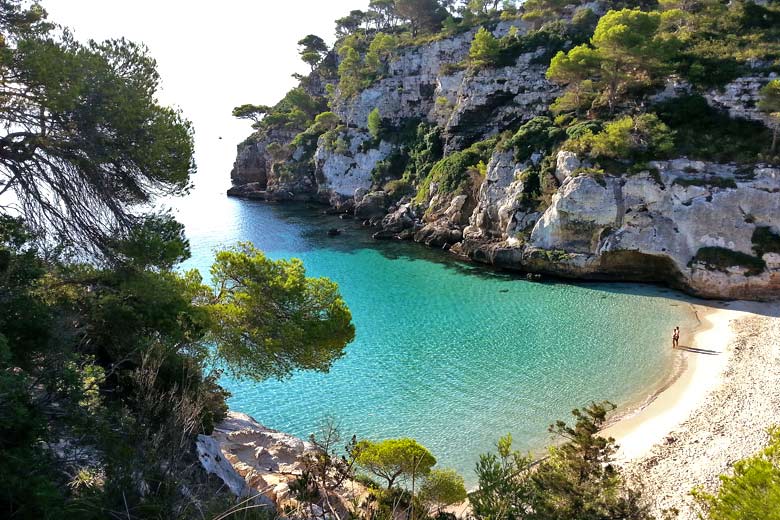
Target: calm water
(450, 354)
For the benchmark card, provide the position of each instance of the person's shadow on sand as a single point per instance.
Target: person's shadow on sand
(698, 350)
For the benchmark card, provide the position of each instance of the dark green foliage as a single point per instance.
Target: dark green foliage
(425, 150)
(578, 129)
(708, 181)
(552, 37)
(422, 15)
(374, 123)
(504, 491)
(576, 481)
(418, 146)
(452, 173)
(254, 337)
(720, 38)
(157, 241)
(484, 51)
(765, 241)
(702, 132)
(313, 50)
(86, 142)
(636, 138)
(752, 491)
(720, 259)
(391, 168)
(537, 135)
(113, 355)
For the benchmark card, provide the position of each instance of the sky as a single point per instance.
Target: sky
(212, 56)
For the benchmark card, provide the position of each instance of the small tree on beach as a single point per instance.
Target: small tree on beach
(576, 480)
(395, 458)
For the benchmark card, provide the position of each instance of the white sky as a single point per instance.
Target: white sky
(212, 56)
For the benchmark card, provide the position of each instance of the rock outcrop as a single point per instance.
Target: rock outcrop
(654, 226)
(255, 461)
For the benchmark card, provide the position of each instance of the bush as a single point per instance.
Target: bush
(721, 259)
(452, 173)
(398, 188)
(708, 181)
(484, 49)
(765, 241)
(538, 134)
(375, 123)
(637, 137)
(552, 37)
(442, 488)
(753, 491)
(704, 133)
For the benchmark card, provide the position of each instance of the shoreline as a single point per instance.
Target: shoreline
(714, 410)
(700, 361)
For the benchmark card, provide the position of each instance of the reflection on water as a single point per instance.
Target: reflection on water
(450, 353)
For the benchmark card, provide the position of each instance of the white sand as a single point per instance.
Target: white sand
(715, 413)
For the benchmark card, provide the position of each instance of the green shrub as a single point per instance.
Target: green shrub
(704, 133)
(538, 134)
(630, 137)
(452, 173)
(484, 49)
(752, 491)
(374, 123)
(397, 188)
(707, 181)
(721, 259)
(765, 241)
(551, 37)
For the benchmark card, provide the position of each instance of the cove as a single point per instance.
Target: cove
(452, 354)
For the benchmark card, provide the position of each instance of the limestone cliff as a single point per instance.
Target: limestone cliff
(709, 228)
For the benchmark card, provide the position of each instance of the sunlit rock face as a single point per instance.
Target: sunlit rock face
(255, 461)
(650, 225)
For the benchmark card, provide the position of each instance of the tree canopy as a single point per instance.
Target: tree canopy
(312, 49)
(394, 458)
(270, 319)
(625, 52)
(442, 488)
(484, 49)
(86, 142)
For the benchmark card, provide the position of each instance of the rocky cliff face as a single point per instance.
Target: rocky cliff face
(690, 224)
(662, 225)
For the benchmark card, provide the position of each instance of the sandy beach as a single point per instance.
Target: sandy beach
(715, 411)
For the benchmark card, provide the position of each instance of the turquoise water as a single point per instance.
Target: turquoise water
(451, 354)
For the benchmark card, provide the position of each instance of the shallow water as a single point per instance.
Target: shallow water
(451, 354)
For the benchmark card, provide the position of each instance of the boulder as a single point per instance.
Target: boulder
(371, 206)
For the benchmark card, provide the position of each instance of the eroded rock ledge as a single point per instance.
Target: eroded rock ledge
(255, 461)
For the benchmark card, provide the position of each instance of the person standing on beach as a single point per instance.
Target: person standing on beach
(676, 337)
